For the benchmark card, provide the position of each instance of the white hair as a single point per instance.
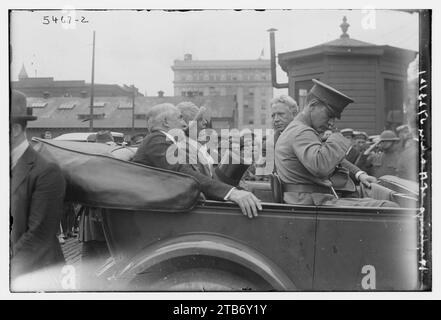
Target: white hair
(157, 114)
(286, 100)
(188, 110)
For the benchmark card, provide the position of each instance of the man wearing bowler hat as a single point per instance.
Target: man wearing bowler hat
(37, 195)
(306, 164)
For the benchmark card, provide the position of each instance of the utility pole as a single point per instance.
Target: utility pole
(133, 110)
(92, 85)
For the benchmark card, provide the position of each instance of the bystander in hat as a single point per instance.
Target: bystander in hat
(347, 133)
(19, 110)
(360, 135)
(388, 135)
(103, 136)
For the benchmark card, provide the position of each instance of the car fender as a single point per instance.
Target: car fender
(209, 245)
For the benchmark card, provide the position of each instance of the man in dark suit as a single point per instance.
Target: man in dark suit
(157, 151)
(37, 195)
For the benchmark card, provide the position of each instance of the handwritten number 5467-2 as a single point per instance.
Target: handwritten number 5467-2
(63, 19)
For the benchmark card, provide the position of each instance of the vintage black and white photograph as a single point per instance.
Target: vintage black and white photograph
(220, 150)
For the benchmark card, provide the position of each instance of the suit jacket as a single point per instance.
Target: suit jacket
(302, 158)
(153, 151)
(37, 195)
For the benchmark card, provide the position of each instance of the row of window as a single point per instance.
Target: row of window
(223, 76)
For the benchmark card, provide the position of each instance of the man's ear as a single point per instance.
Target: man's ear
(16, 129)
(165, 122)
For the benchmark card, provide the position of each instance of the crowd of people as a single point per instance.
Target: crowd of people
(314, 163)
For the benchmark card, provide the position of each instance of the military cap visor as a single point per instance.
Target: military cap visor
(361, 135)
(347, 131)
(334, 99)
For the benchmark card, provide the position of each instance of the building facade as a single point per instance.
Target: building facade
(61, 115)
(374, 76)
(249, 81)
(48, 87)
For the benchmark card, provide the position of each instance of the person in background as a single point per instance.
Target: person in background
(37, 196)
(385, 161)
(352, 154)
(47, 135)
(408, 167)
(360, 141)
(361, 145)
(105, 136)
(404, 135)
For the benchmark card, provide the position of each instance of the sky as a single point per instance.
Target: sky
(139, 47)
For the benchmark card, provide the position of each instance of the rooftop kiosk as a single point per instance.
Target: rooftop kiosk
(374, 76)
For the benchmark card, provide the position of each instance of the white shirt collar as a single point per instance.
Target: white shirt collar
(18, 152)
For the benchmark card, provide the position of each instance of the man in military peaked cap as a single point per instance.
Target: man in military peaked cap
(37, 195)
(306, 164)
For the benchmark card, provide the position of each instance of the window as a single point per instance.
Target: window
(393, 102)
(302, 88)
(124, 105)
(302, 97)
(38, 104)
(262, 118)
(99, 104)
(140, 116)
(86, 116)
(67, 106)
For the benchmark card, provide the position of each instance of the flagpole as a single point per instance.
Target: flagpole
(92, 85)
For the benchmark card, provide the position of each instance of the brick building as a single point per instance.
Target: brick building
(70, 114)
(48, 87)
(249, 81)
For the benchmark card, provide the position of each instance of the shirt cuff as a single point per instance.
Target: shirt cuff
(358, 174)
(227, 197)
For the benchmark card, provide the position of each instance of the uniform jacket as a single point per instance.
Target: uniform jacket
(302, 158)
(153, 151)
(37, 195)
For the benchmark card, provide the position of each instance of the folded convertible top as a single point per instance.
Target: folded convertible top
(95, 178)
